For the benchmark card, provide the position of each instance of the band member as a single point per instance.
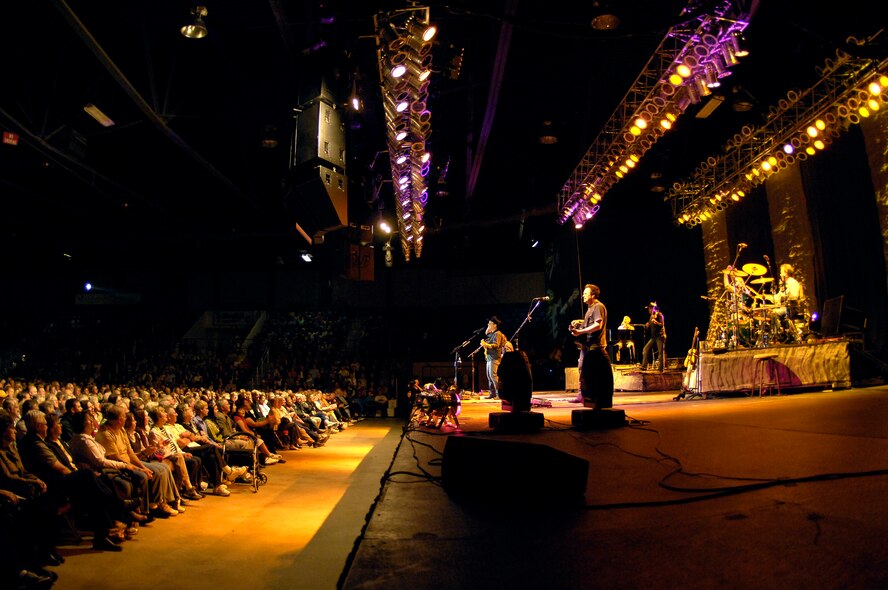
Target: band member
(656, 333)
(596, 374)
(789, 300)
(494, 344)
(790, 293)
(625, 346)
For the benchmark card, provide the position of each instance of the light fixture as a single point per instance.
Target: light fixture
(196, 29)
(604, 19)
(547, 135)
(96, 113)
(269, 138)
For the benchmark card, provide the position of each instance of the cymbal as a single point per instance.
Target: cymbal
(734, 272)
(766, 307)
(754, 269)
(761, 281)
(766, 297)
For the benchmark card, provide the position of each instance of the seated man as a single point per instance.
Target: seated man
(65, 482)
(210, 452)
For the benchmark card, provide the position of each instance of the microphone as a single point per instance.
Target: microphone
(742, 245)
(480, 330)
(545, 298)
(765, 256)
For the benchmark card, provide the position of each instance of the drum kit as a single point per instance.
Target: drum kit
(748, 314)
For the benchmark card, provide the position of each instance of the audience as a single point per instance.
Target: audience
(160, 438)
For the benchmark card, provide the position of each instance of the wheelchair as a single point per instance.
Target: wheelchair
(241, 449)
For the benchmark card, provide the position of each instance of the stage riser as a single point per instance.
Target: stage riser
(631, 379)
(826, 364)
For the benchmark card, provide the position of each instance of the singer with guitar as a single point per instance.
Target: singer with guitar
(494, 344)
(596, 373)
(656, 332)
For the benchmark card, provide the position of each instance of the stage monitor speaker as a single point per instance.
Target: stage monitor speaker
(317, 200)
(513, 421)
(595, 419)
(500, 472)
(516, 380)
(831, 319)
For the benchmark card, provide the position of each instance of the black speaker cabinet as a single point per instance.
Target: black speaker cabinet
(503, 472)
(317, 200)
(516, 380)
(320, 135)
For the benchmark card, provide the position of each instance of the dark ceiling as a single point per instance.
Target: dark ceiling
(182, 175)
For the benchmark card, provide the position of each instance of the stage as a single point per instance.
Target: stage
(825, 363)
(631, 378)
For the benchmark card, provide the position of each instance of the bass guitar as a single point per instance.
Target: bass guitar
(688, 383)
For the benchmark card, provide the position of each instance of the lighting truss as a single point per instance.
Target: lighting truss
(797, 127)
(404, 55)
(704, 45)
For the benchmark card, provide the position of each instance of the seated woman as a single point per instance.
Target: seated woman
(88, 451)
(288, 427)
(242, 422)
(162, 492)
(172, 454)
(109, 453)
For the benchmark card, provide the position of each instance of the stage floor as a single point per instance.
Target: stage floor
(775, 492)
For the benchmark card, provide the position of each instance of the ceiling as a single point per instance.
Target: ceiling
(182, 175)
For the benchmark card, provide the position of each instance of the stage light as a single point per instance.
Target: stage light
(426, 32)
(97, 114)
(739, 45)
(196, 29)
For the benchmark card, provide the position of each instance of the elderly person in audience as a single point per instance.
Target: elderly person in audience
(24, 495)
(206, 428)
(162, 492)
(172, 454)
(210, 452)
(129, 478)
(291, 429)
(64, 481)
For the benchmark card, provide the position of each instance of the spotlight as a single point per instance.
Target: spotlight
(196, 29)
(605, 19)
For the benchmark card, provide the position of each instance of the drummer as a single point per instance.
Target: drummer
(790, 293)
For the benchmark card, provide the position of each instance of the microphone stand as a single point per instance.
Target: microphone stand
(735, 303)
(457, 361)
(535, 304)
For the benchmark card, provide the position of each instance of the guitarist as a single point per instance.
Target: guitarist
(656, 330)
(596, 373)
